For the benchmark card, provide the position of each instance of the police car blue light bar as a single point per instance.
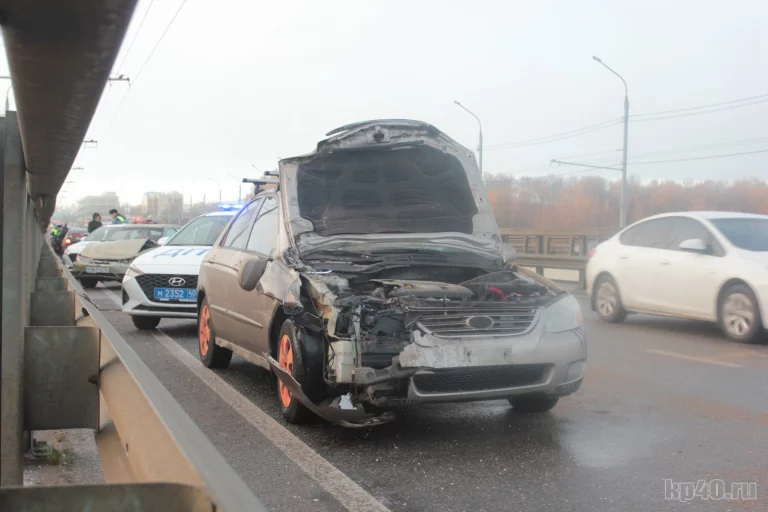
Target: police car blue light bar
(229, 207)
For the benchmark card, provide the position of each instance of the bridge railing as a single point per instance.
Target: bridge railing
(555, 249)
(64, 366)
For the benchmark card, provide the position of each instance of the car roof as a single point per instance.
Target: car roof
(707, 215)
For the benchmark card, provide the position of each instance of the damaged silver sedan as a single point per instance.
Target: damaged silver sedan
(374, 276)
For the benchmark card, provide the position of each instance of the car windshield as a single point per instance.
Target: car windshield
(99, 235)
(201, 231)
(745, 233)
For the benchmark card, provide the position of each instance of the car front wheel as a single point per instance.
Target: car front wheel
(739, 315)
(145, 323)
(608, 301)
(89, 283)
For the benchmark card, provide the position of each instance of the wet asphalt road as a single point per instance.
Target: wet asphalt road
(663, 399)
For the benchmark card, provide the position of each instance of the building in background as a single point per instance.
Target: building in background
(162, 206)
(101, 204)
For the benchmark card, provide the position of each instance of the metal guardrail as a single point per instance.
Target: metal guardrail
(81, 373)
(555, 249)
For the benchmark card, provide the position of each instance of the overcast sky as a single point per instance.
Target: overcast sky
(237, 83)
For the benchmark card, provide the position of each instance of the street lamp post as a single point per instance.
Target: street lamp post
(623, 201)
(480, 125)
(211, 180)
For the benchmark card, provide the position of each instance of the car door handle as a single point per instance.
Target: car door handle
(664, 262)
(623, 257)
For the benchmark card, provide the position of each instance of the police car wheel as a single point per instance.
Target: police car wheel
(145, 322)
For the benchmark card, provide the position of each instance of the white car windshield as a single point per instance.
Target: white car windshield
(201, 231)
(746, 233)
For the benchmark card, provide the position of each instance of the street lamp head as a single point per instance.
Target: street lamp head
(597, 59)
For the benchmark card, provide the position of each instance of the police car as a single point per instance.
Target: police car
(162, 283)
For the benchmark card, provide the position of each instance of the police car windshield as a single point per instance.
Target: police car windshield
(201, 231)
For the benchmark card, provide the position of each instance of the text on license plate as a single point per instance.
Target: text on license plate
(97, 270)
(183, 294)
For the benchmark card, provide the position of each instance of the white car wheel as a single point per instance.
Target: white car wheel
(608, 301)
(739, 317)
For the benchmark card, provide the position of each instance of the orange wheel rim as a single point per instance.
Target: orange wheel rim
(204, 333)
(285, 358)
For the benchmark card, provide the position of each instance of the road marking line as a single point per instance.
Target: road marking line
(696, 359)
(748, 353)
(337, 484)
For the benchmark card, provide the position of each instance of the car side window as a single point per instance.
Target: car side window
(687, 229)
(237, 236)
(171, 231)
(263, 237)
(655, 234)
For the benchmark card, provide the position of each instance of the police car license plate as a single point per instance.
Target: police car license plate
(180, 294)
(97, 270)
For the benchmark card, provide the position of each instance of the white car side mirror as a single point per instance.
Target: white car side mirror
(163, 241)
(694, 245)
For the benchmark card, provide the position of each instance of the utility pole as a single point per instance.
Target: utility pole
(623, 203)
(480, 145)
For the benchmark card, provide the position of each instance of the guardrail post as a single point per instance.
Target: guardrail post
(12, 306)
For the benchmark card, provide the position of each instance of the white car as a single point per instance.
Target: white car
(115, 232)
(709, 266)
(162, 283)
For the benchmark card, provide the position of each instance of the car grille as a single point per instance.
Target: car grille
(480, 378)
(148, 283)
(477, 321)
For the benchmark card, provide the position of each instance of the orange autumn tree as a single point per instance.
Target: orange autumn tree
(555, 202)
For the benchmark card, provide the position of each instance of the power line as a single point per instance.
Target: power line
(704, 147)
(557, 136)
(135, 36)
(162, 36)
(699, 113)
(146, 61)
(699, 107)
(700, 157)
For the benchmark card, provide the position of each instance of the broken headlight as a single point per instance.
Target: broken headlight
(564, 314)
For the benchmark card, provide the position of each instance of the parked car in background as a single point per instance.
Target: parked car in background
(162, 283)
(108, 261)
(116, 232)
(709, 266)
(74, 235)
(376, 276)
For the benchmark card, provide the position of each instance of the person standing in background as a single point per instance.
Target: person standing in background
(95, 223)
(117, 218)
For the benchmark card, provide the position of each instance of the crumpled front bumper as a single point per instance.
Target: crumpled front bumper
(540, 363)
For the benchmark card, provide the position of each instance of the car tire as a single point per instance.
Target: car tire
(145, 323)
(739, 315)
(298, 360)
(211, 354)
(533, 405)
(89, 283)
(608, 301)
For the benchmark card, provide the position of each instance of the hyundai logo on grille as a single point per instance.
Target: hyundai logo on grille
(480, 322)
(177, 281)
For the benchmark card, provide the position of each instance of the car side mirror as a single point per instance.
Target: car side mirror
(249, 274)
(163, 240)
(694, 245)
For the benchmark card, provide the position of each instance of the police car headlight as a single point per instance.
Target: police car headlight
(564, 314)
(84, 259)
(133, 272)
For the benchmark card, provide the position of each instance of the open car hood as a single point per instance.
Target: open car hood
(118, 250)
(384, 179)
